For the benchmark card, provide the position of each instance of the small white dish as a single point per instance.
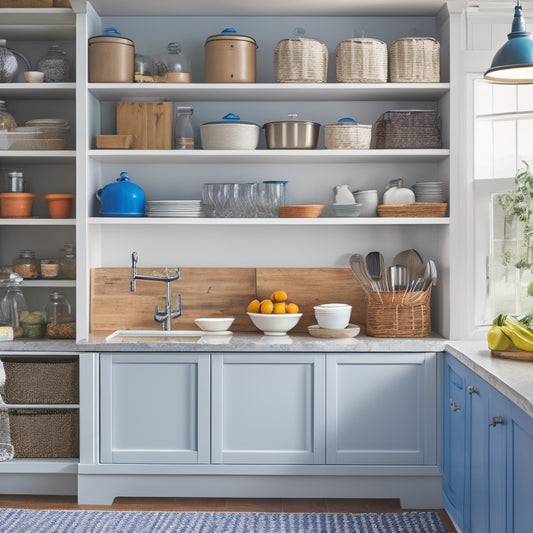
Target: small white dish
(34, 76)
(214, 324)
(351, 330)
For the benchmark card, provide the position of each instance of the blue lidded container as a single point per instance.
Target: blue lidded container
(122, 198)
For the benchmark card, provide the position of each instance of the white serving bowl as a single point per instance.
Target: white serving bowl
(275, 324)
(333, 316)
(33, 76)
(214, 324)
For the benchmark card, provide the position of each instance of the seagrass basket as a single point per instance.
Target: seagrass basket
(362, 60)
(398, 314)
(414, 60)
(347, 136)
(301, 60)
(407, 129)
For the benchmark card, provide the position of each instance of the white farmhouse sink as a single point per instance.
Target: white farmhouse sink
(151, 335)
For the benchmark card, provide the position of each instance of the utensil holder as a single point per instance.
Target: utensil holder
(398, 314)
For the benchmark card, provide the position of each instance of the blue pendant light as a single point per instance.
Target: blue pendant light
(513, 62)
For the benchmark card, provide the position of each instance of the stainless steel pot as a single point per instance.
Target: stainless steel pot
(292, 134)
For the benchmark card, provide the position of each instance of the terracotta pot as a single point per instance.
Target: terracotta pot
(16, 204)
(59, 205)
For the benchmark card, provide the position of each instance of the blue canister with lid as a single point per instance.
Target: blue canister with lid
(111, 58)
(121, 198)
(230, 58)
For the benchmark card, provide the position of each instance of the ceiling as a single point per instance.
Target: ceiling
(270, 7)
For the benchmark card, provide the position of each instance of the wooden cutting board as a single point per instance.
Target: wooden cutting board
(513, 354)
(150, 123)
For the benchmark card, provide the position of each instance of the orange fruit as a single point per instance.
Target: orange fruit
(279, 296)
(254, 306)
(267, 307)
(292, 308)
(279, 308)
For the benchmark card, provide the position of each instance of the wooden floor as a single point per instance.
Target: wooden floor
(269, 505)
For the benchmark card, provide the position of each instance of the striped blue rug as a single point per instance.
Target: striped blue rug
(35, 521)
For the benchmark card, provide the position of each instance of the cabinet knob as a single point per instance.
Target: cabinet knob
(495, 421)
(472, 389)
(455, 406)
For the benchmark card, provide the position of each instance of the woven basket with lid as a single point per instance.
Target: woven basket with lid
(347, 134)
(414, 60)
(362, 60)
(301, 60)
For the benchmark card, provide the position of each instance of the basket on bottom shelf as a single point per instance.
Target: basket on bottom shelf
(398, 314)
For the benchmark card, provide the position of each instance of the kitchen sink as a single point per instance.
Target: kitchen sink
(150, 335)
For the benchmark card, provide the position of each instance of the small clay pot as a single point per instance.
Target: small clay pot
(16, 204)
(59, 205)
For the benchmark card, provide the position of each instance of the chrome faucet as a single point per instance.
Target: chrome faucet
(164, 317)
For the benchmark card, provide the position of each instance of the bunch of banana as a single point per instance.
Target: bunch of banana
(508, 333)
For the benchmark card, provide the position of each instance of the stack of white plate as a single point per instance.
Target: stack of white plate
(429, 192)
(347, 210)
(52, 128)
(174, 208)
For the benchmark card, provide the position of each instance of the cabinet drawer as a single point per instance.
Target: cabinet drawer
(41, 380)
(44, 432)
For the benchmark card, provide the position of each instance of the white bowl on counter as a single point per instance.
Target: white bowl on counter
(214, 324)
(274, 324)
(333, 316)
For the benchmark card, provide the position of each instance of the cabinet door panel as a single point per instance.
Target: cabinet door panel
(381, 409)
(152, 408)
(268, 409)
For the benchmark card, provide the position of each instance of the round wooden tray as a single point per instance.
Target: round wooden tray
(351, 330)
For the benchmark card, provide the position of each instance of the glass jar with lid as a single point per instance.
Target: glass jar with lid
(13, 306)
(60, 323)
(67, 263)
(183, 130)
(26, 265)
(7, 121)
(178, 65)
(54, 65)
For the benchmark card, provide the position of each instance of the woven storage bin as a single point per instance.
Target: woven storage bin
(362, 60)
(301, 60)
(44, 432)
(347, 136)
(407, 129)
(418, 209)
(41, 380)
(414, 59)
(398, 314)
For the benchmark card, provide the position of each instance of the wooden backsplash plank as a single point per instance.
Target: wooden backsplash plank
(211, 292)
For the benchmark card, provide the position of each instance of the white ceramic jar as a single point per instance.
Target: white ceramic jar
(230, 133)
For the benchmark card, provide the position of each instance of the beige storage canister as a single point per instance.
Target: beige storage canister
(301, 60)
(362, 60)
(230, 58)
(414, 60)
(111, 58)
(347, 134)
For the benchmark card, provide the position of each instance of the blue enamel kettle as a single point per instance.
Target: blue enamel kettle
(122, 198)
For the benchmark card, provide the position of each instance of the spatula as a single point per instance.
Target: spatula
(412, 261)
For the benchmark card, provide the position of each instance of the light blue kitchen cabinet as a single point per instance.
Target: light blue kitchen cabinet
(454, 434)
(488, 456)
(154, 407)
(268, 408)
(381, 408)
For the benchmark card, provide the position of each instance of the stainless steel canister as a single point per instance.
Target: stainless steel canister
(15, 181)
(230, 58)
(111, 58)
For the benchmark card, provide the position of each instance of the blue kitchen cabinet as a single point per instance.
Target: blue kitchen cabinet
(381, 409)
(154, 408)
(454, 449)
(487, 456)
(268, 408)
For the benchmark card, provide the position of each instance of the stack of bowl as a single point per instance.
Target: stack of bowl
(333, 316)
(347, 210)
(54, 132)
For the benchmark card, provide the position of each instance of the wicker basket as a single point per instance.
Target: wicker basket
(415, 60)
(418, 209)
(398, 314)
(347, 136)
(362, 60)
(301, 60)
(407, 129)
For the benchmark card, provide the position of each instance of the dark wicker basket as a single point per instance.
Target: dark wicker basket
(407, 129)
(398, 314)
